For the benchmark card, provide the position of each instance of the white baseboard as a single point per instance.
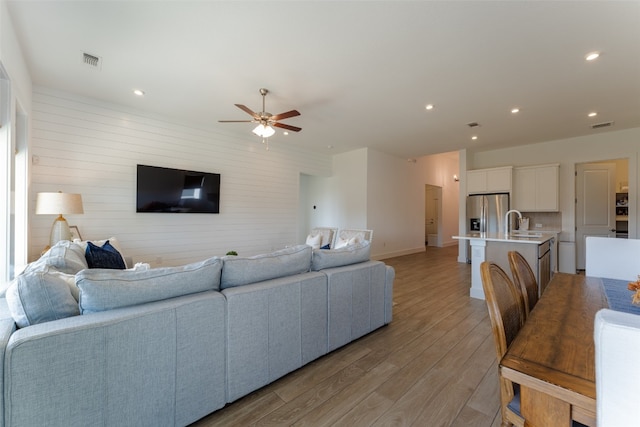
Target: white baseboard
(379, 257)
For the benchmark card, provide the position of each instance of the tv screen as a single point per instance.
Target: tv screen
(177, 191)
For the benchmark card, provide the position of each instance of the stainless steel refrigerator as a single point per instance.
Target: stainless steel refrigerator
(485, 214)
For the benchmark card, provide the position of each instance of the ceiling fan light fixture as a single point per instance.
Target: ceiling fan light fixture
(264, 131)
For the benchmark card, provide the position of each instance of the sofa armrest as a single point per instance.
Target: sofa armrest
(388, 294)
(7, 327)
(359, 300)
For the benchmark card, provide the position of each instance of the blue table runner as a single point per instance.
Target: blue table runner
(619, 297)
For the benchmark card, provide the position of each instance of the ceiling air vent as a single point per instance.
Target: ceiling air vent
(602, 125)
(92, 61)
(473, 124)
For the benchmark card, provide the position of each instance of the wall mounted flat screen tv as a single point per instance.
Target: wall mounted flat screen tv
(177, 191)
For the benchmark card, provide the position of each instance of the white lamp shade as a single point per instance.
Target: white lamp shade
(58, 204)
(264, 131)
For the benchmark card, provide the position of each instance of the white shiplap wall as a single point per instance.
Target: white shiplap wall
(90, 147)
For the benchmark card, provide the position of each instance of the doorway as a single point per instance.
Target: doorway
(433, 216)
(600, 188)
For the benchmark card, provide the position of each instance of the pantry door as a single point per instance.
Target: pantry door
(595, 204)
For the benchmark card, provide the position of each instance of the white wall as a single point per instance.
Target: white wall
(569, 152)
(89, 147)
(316, 205)
(395, 206)
(348, 190)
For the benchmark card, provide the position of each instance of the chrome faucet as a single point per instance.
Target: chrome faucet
(506, 220)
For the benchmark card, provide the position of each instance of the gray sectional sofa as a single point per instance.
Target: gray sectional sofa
(167, 346)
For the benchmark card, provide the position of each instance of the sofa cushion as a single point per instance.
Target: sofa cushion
(105, 256)
(64, 256)
(345, 255)
(40, 296)
(102, 289)
(238, 271)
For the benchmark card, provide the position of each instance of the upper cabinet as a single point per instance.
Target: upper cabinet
(535, 188)
(489, 180)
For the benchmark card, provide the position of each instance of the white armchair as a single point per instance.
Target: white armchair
(328, 235)
(617, 344)
(360, 234)
(612, 258)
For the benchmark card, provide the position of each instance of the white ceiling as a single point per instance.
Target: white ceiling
(359, 72)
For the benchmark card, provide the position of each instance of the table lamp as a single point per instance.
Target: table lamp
(57, 204)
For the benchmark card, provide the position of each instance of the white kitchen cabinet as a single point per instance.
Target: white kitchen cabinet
(489, 180)
(535, 188)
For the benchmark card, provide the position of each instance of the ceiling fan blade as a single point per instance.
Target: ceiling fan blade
(288, 127)
(247, 110)
(286, 115)
(235, 121)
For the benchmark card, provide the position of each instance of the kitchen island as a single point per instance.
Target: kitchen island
(536, 247)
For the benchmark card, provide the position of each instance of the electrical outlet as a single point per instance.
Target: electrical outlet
(538, 225)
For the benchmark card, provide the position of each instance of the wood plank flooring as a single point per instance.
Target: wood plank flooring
(434, 365)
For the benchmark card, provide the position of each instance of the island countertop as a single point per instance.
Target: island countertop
(535, 238)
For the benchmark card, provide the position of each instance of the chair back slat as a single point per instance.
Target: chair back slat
(525, 279)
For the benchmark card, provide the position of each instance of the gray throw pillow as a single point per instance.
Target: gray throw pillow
(352, 254)
(64, 256)
(41, 296)
(105, 289)
(238, 271)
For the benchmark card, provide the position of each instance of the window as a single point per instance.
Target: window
(7, 260)
(13, 183)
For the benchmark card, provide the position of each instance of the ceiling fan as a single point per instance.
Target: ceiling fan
(266, 121)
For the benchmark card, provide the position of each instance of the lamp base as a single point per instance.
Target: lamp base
(59, 231)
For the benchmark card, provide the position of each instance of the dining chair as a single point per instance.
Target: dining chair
(525, 279)
(617, 343)
(506, 311)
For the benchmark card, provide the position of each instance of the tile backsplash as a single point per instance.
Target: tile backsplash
(549, 220)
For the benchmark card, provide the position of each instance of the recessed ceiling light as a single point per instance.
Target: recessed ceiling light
(592, 55)
(285, 133)
(330, 147)
(474, 137)
(593, 114)
(429, 107)
(515, 110)
(138, 92)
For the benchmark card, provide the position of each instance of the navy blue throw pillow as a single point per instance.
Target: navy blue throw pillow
(327, 246)
(104, 257)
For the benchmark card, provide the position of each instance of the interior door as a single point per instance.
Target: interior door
(595, 204)
(433, 223)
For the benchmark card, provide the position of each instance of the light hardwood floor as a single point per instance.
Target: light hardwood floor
(434, 365)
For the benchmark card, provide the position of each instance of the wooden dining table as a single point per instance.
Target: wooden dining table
(553, 355)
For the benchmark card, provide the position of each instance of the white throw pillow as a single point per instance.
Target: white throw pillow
(341, 243)
(314, 240)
